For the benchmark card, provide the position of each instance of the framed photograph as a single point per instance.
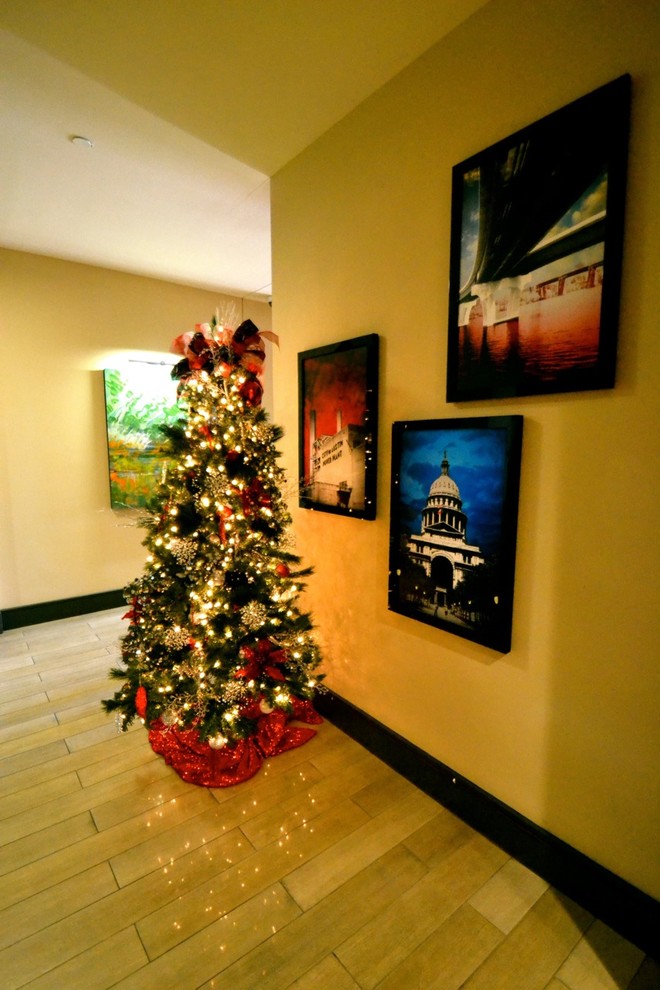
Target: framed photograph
(338, 427)
(454, 513)
(138, 399)
(535, 260)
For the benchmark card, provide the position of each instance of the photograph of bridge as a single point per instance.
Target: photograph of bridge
(537, 229)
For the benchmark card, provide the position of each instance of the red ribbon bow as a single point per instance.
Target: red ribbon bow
(254, 497)
(135, 610)
(223, 513)
(262, 659)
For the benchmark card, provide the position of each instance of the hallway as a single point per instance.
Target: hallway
(326, 871)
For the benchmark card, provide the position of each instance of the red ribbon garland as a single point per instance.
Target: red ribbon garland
(205, 431)
(223, 513)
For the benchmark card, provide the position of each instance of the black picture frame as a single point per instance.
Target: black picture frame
(338, 427)
(453, 524)
(537, 224)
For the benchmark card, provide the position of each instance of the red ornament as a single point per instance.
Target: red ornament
(141, 701)
(282, 570)
(251, 392)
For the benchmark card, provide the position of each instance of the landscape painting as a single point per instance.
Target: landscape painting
(139, 398)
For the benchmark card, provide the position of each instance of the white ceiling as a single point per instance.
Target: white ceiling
(191, 105)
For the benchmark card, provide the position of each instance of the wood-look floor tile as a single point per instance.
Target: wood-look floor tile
(382, 945)
(14, 712)
(448, 956)
(13, 648)
(27, 734)
(601, 960)
(125, 750)
(338, 750)
(98, 968)
(46, 762)
(29, 849)
(221, 893)
(142, 799)
(64, 669)
(509, 895)
(207, 953)
(647, 976)
(81, 706)
(379, 795)
(50, 906)
(536, 948)
(333, 739)
(23, 803)
(438, 837)
(92, 680)
(313, 881)
(163, 849)
(41, 731)
(97, 848)
(47, 645)
(16, 668)
(11, 767)
(286, 761)
(108, 617)
(387, 880)
(293, 951)
(317, 797)
(21, 687)
(73, 798)
(247, 803)
(329, 973)
(105, 917)
(67, 671)
(65, 660)
(88, 731)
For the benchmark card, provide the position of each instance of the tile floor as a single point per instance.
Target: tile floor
(327, 870)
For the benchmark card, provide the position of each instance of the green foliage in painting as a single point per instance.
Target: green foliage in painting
(139, 404)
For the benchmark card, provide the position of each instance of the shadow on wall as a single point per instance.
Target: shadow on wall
(603, 744)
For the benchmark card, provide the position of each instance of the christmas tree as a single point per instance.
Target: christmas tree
(218, 659)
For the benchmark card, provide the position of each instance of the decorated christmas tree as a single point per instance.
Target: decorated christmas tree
(219, 661)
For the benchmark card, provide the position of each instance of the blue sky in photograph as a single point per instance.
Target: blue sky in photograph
(477, 463)
(588, 207)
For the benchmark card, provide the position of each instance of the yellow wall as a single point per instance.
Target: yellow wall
(566, 727)
(60, 324)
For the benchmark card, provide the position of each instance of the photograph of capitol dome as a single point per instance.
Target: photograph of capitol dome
(453, 524)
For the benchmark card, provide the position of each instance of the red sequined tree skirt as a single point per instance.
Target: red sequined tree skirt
(198, 763)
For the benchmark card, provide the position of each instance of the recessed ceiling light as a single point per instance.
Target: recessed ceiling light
(82, 141)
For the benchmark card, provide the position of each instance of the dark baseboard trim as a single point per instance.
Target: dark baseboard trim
(29, 615)
(628, 910)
